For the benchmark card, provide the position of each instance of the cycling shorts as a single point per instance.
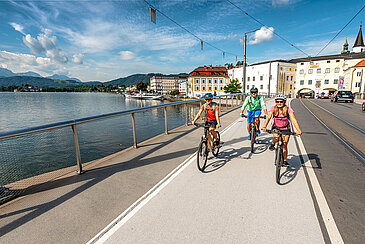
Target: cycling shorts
(212, 124)
(252, 114)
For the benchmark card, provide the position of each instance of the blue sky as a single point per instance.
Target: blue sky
(104, 40)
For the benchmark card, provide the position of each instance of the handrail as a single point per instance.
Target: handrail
(35, 129)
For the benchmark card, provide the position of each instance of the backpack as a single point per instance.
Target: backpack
(205, 109)
(250, 99)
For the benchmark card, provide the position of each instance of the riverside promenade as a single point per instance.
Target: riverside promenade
(155, 194)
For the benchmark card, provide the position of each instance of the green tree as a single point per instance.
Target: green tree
(175, 92)
(233, 87)
(141, 86)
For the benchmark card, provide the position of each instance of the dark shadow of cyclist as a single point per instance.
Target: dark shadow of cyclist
(291, 171)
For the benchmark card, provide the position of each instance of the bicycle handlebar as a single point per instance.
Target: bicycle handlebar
(281, 132)
(202, 125)
(246, 116)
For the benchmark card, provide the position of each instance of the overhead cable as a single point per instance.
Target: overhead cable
(291, 44)
(341, 30)
(197, 37)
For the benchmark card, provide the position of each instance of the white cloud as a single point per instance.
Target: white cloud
(230, 36)
(262, 35)
(78, 58)
(45, 44)
(127, 55)
(280, 2)
(17, 27)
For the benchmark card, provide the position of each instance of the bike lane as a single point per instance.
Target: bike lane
(236, 200)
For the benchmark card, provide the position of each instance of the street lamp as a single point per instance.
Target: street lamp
(244, 59)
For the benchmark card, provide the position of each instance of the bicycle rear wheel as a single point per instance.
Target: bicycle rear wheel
(278, 163)
(253, 137)
(215, 150)
(202, 155)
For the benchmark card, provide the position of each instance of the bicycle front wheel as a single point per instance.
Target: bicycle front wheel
(215, 150)
(202, 155)
(253, 137)
(278, 163)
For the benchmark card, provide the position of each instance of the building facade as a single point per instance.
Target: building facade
(206, 79)
(354, 79)
(270, 77)
(164, 84)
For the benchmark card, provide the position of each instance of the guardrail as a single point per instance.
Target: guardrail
(224, 101)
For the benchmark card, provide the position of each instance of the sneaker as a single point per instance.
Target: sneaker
(286, 164)
(272, 147)
(249, 137)
(258, 131)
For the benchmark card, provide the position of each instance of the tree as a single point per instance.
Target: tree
(141, 86)
(233, 87)
(175, 92)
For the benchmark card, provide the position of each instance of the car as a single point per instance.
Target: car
(363, 106)
(346, 96)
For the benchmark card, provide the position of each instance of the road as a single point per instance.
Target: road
(340, 172)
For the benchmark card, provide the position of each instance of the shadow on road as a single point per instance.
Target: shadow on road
(289, 173)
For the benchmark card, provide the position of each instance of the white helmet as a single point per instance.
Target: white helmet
(280, 97)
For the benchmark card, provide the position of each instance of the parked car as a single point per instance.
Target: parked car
(323, 94)
(346, 96)
(363, 106)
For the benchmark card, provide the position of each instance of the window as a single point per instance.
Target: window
(221, 88)
(326, 81)
(203, 88)
(248, 78)
(210, 81)
(221, 81)
(328, 61)
(215, 88)
(358, 73)
(291, 78)
(318, 70)
(197, 88)
(261, 77)
(281, 68)
(309, 82)
(197, 81)
(261, 86)
(327, 70)
(357, 84)
(301, 71)
(253, 78)
(215, 81)
(337, 61)
(310, 71)
(287, 77)
(248, 86)
(301, 82)
(253, 86)
(337, 69)
(291, 87)
(301, 63)
(210, 88)
(335, 81)
(203, 81)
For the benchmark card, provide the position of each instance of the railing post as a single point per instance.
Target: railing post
(226, 102)
(166, 128)
(186, 115)
(232, 100)
(134, 131)
(77, 149)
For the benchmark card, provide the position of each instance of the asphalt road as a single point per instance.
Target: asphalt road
(340, 173)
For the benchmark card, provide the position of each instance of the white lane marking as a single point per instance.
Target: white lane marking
(327, 217)
(118, 222)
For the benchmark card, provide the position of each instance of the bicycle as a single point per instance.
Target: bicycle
(279, 157)
(253, 129)
(206, 144)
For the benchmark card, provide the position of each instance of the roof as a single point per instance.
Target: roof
(209, 71)
(328, 57)
(359, 41)
(360, 64)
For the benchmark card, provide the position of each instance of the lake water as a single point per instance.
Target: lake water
(26, 156)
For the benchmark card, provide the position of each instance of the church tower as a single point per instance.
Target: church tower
(359, 43)
(345, 48)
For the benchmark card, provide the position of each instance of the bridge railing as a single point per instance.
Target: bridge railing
(23, 160)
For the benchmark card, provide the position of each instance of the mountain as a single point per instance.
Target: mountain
(36, 81)
(62, 77)
(5, 72)
(131, 80)
(29, 73)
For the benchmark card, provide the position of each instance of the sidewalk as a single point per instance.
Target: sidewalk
(236, 200)
(359, 101)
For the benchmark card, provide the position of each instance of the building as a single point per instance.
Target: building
(207, 79)
(183, 84)
(164, 84)
(270, 77)
(354, 79)
(328, 72)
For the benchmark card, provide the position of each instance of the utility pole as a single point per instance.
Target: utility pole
(244, 59)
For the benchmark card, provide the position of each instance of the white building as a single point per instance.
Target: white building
(183, 84)
(354, 79)
(164, 84)
(278, 75)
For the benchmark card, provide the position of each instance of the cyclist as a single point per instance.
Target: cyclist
(255, 103)
(211, 113)
(282, 115)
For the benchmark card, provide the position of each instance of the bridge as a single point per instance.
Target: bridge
(156, 194)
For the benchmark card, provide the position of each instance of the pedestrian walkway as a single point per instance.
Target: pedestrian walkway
(236, 200)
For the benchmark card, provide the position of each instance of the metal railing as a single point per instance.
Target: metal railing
(224, 101)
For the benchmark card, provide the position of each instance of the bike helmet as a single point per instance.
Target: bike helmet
(208, 96)
(254, 89)
(280, 97)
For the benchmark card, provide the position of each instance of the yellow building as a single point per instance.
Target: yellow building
(207, 79)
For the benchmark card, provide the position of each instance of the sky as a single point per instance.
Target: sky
(101, 40)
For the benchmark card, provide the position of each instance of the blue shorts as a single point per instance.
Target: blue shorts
(252, 114)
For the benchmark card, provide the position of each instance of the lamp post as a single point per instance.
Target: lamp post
(244, 59)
